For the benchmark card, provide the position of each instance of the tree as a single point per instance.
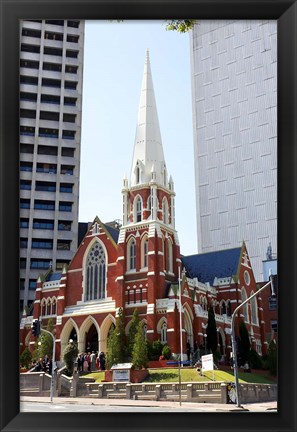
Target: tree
(139, 352)
(116, 343)
(179, 25)
(166, 352)
(46, 341)
(244, 344)
(26, 358)
(69, 356)
(182, 26)
(211, 331)
(135, 321)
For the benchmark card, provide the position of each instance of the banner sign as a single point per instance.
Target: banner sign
(207, 362)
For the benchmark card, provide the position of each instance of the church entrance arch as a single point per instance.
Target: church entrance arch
(189, 327)
(89, 335)
(70, 331)
(91, 340)
(105, 330)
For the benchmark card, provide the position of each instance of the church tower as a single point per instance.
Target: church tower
(148, 244)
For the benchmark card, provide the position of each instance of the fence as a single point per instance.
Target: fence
(212, 392)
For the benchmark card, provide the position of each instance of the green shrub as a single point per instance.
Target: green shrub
(139, 352)
(154, 349)
(26, 358)
(166, 352)
(69, 356)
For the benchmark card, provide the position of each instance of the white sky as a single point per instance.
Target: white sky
(113, 66)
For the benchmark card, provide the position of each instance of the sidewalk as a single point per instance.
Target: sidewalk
(254, 407)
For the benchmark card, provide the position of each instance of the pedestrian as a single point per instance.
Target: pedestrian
(102, 360)
(79, 361)
(188, 350)
(85, 363)
(93, 361)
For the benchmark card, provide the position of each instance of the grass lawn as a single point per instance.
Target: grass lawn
(191, 375)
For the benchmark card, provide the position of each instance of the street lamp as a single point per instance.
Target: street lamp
(205, 336)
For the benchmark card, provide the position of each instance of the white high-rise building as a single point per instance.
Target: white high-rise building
(234, 82)
(51, 70)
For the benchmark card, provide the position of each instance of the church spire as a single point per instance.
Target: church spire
(148, 150)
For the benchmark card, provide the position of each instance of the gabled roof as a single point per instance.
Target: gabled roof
(114, 232)
(207, 266)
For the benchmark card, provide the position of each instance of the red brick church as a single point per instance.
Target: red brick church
(137, 265)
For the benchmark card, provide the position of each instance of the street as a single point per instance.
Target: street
(43, 404)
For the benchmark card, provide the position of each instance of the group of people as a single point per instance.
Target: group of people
(42, 365)
(90, 361)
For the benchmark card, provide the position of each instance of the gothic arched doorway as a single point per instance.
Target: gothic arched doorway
(91, 340)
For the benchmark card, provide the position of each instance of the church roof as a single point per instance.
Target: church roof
(148, 149)
(114, 232)
(53, 277)
(207, 266)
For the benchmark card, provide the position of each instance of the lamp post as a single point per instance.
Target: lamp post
(234, 348)
(53, 364)
(205, 337)
(180, 335)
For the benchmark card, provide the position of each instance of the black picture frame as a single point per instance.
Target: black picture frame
(285, 11)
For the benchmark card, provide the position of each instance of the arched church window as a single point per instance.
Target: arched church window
(137, 174)
(254, 310)
(131, 254)
(245, 307)
(138, 209)
(228, 308)
(48, 307)
(164, 332)
(43, 307)
(54, 306)
(145, 252)
(165, 210)
(95, 273)
(170, 256)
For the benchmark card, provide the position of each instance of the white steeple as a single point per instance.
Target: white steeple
(148, 154)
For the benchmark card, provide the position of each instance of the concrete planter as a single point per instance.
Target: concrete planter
(136, 375)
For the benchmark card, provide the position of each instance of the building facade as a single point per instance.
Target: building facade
(234, 87)
(51, 70)
(139, 265)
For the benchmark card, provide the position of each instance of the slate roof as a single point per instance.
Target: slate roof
(205, 267)
(53, 277)
(114, 232)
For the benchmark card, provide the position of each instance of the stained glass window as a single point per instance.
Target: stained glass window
(95, 273)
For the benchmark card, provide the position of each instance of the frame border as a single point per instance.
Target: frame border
(11, 11)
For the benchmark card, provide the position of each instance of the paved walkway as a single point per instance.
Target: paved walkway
(254, 407)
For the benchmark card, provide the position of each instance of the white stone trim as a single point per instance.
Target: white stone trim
(151, 273)
(150, 308)
(74, 270)
(60, 297)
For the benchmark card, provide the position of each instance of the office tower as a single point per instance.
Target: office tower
(234, 70)
(51, 70)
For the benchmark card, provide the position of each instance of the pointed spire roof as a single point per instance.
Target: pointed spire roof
(148, 150)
